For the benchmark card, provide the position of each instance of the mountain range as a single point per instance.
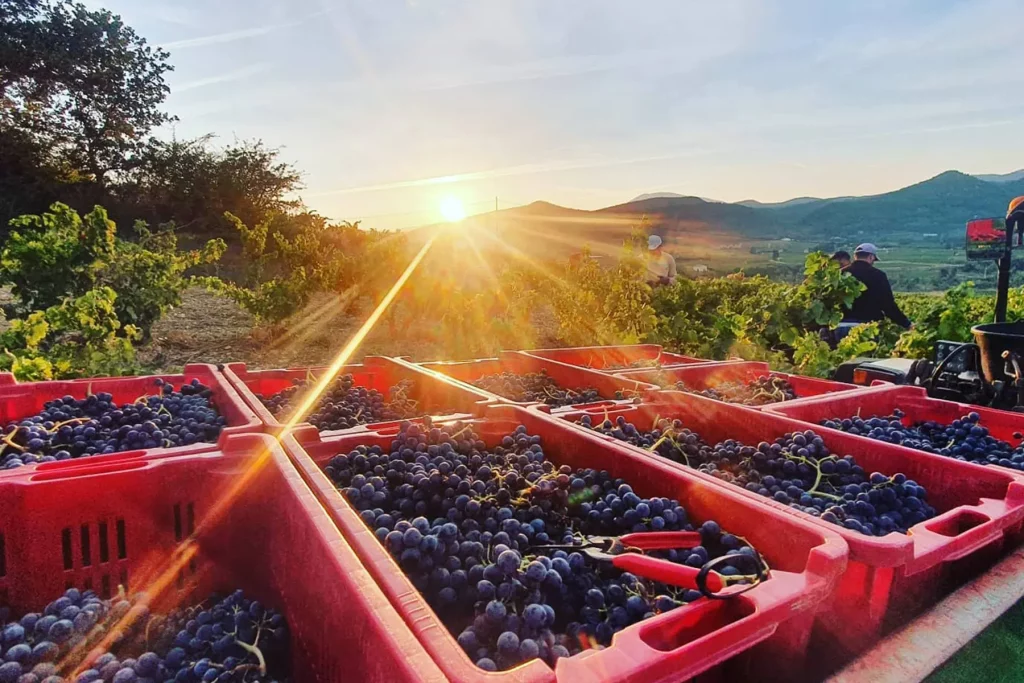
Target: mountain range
(938, 206)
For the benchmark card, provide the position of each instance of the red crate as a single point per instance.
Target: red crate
(237, 518)
(708, 376)
(805, 558)
(600, 357)
(889, 578)
(19, 400)
(881, 400)
(568, 376)
(434, 392)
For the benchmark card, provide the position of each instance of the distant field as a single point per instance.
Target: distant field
(913, 267)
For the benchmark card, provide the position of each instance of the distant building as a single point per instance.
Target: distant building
(786, 239)
(700, 268)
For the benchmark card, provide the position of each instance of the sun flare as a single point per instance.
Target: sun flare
(452, 209)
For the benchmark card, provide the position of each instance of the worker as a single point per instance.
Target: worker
(661, 266)
(842, 258)
(876, 302)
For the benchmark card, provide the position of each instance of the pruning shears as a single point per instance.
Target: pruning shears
(629, 553)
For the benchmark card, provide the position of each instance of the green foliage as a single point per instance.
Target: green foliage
(595, 305)
(813, 357)
(627, 303)
(759, 319)
(825, 291)
(455, 316)
(80, 337)
(951, 317)
(58, 254)
(753, 317)
(291, 256)
(272, 300)
(707, 318)
(150, 274)
(577, 299)
(282, 273)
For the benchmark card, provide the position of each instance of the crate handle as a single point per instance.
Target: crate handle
(90, 461)
(629, 652)
(89, 471)
(932, 547)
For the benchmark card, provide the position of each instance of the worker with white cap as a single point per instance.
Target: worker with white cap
(661, 266)
(876, 302)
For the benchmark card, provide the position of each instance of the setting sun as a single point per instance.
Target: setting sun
(452, 209)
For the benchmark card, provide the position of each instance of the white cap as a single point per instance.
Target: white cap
(866, 248)
(653, 242)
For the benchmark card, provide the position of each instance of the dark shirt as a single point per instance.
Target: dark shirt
(876, 302)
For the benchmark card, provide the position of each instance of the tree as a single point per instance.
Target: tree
(80, 83)
(80, 96)
(27, 177)
(194, 184)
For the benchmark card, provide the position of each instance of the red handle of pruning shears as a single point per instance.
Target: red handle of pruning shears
(665, 571)
(661, 540)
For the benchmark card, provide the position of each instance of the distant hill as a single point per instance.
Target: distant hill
(657, 195)
(799, 201)
(668, 195)
(675, 216)
(941, 205)
(938, 205)
(544, 231)
(1002, 178)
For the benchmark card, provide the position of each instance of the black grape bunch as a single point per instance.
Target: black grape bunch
(96, 425)
(964, 439)
(471, 526)
(229, 640)
(536, 387)
(757, 392)
(797, 470)
(345, 404)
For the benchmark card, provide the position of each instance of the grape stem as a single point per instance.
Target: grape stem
(7, 440)
(252, 649)
(458, 433)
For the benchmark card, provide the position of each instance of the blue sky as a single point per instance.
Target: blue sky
(388, 106)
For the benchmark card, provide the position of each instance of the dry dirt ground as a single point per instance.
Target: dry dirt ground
(209, 328)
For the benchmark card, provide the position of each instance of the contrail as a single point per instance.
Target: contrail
(233, 36)
(229, 37)
(235, 75)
